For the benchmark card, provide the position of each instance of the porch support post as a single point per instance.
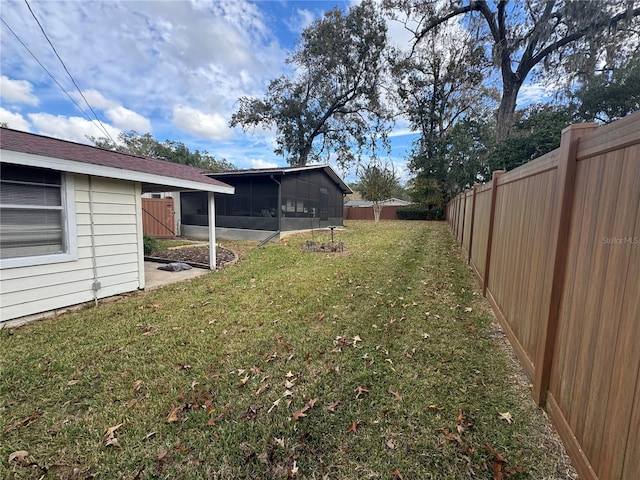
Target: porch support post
(212, 231)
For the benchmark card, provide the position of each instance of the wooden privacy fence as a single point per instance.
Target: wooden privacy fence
(388, 212)
(158, 217)
(556, 246)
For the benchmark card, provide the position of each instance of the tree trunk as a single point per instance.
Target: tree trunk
(504, 115)
(377, 208)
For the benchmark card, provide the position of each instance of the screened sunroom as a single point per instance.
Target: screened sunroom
(268, 201)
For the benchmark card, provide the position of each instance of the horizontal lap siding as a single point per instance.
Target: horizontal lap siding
(519, 277)
(38, 288)
(597, 358)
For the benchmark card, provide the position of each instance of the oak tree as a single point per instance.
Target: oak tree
(331, 103)
(525, 37)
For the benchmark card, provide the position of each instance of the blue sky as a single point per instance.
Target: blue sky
(172, 68)
(175, 69)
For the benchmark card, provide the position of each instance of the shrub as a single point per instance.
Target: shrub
(420, 213)
(150, 244)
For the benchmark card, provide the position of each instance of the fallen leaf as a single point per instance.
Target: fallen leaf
(468, 309)
(213, 420)
(288, 384)
(294, 469)
(174, 414)
(426, 336)
(433, 406)
(25, 422)
(279, 441)
(297, 415)
(112, 430)
(395, 394)
(110, 438)
(506, 416)
(287, 393)
(289, 374)
(353, 427)
(332, 406)
(356, 339)
(275, 404)
(162, 453)
(148, 436)
(390, 445)
(112, 442)
(72, 382)
(18, 455)
(262, 389)
(395, 474)
(360, 390)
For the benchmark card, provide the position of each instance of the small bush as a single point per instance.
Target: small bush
(150, 244)
(420, 213)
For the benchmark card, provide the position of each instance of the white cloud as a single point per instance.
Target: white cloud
(301, 20)
(17, 91)
(534, 93)
(121, 117)
(260, 163)
(146, 57)
(74, 129)
(195, 122)
(14, 120)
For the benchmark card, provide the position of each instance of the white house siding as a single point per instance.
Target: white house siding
(119, 257)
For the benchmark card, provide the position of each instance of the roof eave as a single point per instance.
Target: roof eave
(163, 183)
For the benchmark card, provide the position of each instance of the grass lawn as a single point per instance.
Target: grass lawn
(381, 362)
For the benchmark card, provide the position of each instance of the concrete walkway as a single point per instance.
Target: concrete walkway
(155, 278)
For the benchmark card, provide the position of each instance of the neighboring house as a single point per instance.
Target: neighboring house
(71, 220)
(267, 202)
(391, 202)
(363, 209)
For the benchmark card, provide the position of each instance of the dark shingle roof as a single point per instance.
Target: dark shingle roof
(30, 143)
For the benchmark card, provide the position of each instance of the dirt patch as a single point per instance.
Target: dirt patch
(197, 256)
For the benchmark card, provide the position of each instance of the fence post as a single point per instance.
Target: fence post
(558, 241)
(473, 218)
(492, 214)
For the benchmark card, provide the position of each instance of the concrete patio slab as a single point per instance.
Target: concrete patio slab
(155, 278)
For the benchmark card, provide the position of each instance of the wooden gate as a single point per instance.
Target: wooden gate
(158, 217)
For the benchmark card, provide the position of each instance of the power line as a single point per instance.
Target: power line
(68, 72)
(48, 72)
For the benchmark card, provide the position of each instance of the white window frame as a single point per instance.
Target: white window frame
(67, 190)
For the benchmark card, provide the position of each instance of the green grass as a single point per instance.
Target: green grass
(219, 350)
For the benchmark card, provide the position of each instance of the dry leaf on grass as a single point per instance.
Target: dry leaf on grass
(506, 416)
(18, 456)
(110, 438)
(174, 415)
(360, 390)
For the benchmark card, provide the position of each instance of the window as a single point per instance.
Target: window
(36, 216)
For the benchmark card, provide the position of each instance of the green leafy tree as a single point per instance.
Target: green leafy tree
(331, 104)
(377, 183)
(548, 37)
(611, 93)
(537, 131)
(439, 86)
(177, 152)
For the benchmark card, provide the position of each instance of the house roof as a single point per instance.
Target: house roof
(281, 171)
(155, 175)
(391, 202)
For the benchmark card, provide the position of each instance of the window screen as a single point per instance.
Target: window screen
(31, 212)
